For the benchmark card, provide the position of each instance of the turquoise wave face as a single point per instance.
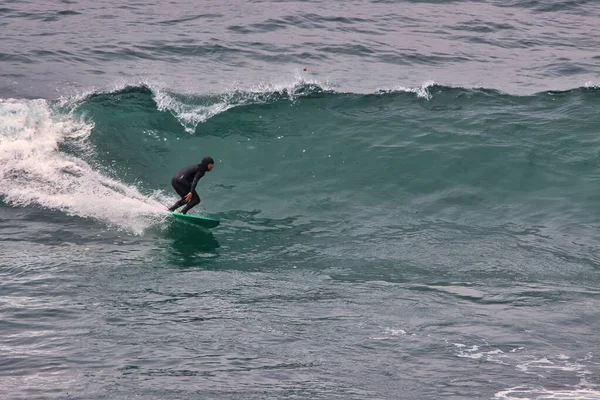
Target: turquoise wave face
(304, 151)
(436, 150)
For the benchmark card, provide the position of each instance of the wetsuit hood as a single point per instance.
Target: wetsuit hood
(207, 160)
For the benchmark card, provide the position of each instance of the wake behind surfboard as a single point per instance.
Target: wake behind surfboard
(204, 222)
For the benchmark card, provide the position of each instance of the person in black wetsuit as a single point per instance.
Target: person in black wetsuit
(184, 182)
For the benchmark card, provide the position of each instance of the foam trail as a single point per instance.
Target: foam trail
(33, 170)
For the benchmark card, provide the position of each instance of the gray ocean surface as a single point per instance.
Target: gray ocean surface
(407, 190)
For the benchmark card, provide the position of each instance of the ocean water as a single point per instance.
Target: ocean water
(408, 196)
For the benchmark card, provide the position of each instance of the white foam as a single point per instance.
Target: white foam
(540, 393)
(422, 91)
(546, 368)
(190, 115)
(33, 170)
(476, 353)
(540, 365)
(390, 333)
(290, 86)
(73, 96)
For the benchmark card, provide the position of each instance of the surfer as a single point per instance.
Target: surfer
(184, 182)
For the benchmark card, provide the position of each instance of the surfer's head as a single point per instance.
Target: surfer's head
(208, 162)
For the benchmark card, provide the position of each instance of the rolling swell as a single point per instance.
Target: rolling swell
(396, 156)
(437, 151)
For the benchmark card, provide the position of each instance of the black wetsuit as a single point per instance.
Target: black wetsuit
(185, 181)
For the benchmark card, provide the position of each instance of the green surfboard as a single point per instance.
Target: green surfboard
(204, 222)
